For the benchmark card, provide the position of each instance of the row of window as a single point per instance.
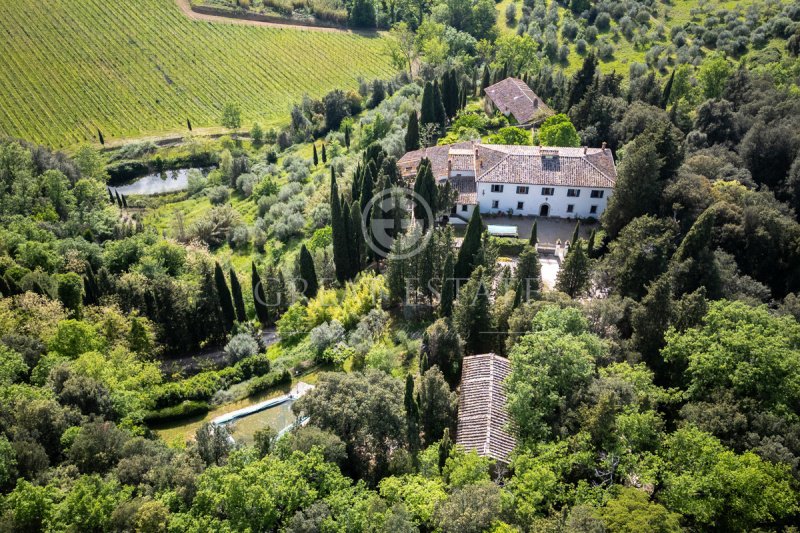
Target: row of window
(550, 191)
(521, 206)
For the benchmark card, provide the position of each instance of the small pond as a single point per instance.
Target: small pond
(158, 183)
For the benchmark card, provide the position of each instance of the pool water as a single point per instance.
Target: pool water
(277, 417)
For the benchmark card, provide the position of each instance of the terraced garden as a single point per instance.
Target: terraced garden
(71, 67)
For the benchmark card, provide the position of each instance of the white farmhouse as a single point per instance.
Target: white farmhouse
(521, 180)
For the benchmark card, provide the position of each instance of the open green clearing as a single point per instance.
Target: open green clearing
(69, 67)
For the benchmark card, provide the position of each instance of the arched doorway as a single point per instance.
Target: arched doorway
(544, 210)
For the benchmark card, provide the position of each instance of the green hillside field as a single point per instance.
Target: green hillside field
(71, 67)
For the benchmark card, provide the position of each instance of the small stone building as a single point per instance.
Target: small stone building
(513, 98)
(483, 423)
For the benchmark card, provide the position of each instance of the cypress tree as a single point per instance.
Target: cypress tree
(238, 299)
(425, 187)
(582, 80)
(412, 415)
(110, 195)
(100, 137)
(667, 90)
(576, 233)
(358, 176)
(308, 273)
(439, 113)
(259, 297)
(528, 275)
(341, 259)
(590, 251)
(487, 77)
(124, 201)
(119, 200)
(324, 154)
(356, 241)
(573, 278)
(427, 109)
(469, 246)
(316, 159)
(534, 240)
(367, 185)
(412, 132)
(448, 287)
(224, 295)
(347, 136)
(445, 445)
(189, 124)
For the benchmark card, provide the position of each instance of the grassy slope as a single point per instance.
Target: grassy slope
(676, 13)
(68, 67)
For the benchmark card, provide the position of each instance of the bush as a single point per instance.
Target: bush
(218, 195)
(509, 245)
(268, 381)
(182, 410)
(240, 346)
(325, 335)
(511, 14)
(603, 21)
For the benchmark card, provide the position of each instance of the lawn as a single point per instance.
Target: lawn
(71, 67)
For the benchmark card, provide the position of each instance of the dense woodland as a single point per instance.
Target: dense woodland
(657, 388)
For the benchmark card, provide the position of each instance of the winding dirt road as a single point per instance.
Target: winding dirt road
(187, 10)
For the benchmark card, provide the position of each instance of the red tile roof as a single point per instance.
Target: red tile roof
(482, 417)
(513, 96)
(534, 165)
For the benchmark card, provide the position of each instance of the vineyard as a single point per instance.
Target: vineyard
(71, 67)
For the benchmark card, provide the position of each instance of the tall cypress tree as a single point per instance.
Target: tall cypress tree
(576, 232)
(412, 132)
(427, 109)
(445, 445)
(573, 277)
(534, 240)
(469, 246)
(341, 259)
(316, 158)
(448, 287)
(356, 240)
(308, 273)
(528, 274)
(367, 185)
(425, 187)
(667, 90)
(259, 297)
(238, 300)
(439, 113)
(324, 154)
(582, 80)
(189, 124)
(412, 415)
(224, 295)
(487, 77)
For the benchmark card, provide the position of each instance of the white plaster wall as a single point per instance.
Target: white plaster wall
(533, 200)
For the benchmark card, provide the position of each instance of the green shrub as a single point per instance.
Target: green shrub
(182, 410)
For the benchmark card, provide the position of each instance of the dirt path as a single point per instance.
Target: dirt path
(187, 10)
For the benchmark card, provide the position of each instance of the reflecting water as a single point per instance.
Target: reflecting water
(277, 417)
(159, 183)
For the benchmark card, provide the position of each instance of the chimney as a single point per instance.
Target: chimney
(449, 165)
(604, 146)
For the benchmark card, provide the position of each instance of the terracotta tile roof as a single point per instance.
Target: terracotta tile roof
(467, 193)
(534, 165)
(527, 165)
(438, 156)
(513, 96)
(482, 417)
